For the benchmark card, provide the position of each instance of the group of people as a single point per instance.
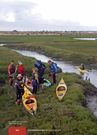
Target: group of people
(15, 69)
(17, 76)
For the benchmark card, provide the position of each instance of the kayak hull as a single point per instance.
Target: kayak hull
(30, 104)
(29, 101)
(61, 89)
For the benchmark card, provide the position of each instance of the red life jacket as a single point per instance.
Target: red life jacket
(20, 69)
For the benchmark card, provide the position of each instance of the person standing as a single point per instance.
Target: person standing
(82, 66)
(20, 68)
(11, 72)
(53, 70)
(35, 85)
(35, 74)
(40, 66)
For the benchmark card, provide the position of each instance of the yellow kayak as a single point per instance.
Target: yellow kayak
(61, 89)
(29, 101)
(28, 83)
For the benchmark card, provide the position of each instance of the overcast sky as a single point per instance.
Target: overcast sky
(33, 15)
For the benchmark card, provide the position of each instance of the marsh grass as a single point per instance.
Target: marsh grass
(69, 115)
(63, 46)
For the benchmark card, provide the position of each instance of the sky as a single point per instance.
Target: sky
(48, 15)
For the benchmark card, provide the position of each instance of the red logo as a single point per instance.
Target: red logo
(17, 130)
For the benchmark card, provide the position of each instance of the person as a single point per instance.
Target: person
(19, 88)
(35, 74)
(27, 82)
(40, 66)
(20, 68)
(35, 85)
(53, 70)
(11, 72)
(82, 66)
(82, 70)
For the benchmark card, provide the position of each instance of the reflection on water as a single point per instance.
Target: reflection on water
(92, 74)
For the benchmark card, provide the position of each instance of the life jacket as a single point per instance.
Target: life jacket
(54, 68)
(82, 67)
(20, 69)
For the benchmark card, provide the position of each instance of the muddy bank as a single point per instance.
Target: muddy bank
(89, 89)
(90, 93)
(92, 104)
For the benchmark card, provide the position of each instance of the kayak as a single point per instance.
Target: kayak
(29, 101)
(30, 104)
(46, 83)
(26, 91)
(28, 83)
(61, 89)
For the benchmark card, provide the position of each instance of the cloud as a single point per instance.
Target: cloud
(8, 17)
(48, 15)
(13, 11)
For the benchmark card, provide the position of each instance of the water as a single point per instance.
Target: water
(92, 75)
(92, 104)
(2, 45)
(85, 38)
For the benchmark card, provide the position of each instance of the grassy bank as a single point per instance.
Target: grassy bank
(64, 47)
(70, 116)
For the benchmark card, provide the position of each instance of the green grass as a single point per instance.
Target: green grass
(69, 115)
(63, 46)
